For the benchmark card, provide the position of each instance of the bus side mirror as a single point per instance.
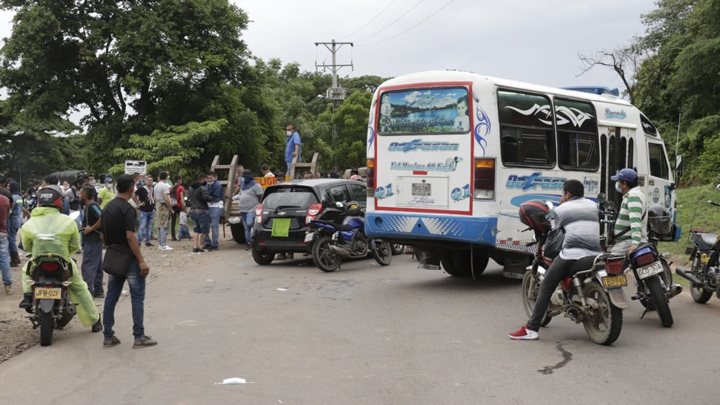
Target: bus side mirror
(678, 167)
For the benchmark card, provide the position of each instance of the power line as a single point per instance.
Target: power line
(393, 22)
(369, 22)
(422, 21)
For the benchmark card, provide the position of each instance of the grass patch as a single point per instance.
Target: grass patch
(693, 212)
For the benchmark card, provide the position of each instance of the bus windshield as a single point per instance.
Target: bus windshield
(428, 111)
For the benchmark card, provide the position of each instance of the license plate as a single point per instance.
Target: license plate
(48, 293)
(334, 236)
(309, 237)
(615, 281)
(421, 189)
(280, 227)
(649, 270)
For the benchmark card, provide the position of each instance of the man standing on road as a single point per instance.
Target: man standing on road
(215, 209)
(579, 217)
(147, 211)
(292, 147)
(177, 193)
(106, 194)
(631, 225)
(162, 209)
(118, 224)
(92, 261)
(199, 199)
(14, 222)
(4, 248)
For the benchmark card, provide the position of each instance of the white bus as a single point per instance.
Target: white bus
(452, 155)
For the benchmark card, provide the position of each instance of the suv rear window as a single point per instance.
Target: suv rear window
(299, 197)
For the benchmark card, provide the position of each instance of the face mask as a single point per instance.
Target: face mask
(617, 187)
(211, 182)
(110, 186)
(289, 133)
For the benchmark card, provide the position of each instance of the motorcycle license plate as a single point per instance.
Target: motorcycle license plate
(48, 293)
(615, 281)
(309, 237)
(649, 270)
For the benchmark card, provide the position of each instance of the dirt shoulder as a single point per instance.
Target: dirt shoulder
(16, 332)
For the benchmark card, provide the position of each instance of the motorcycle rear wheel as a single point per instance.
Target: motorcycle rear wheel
(659, 302)
(46, 328)
(382, 253)
(699, 294)
(604, 322)
(530, 291)
(323, 257)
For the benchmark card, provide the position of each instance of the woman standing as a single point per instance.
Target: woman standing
(250, 196)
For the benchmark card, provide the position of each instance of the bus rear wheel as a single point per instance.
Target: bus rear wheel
(456, 262)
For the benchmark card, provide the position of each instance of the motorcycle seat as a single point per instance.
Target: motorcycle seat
(339, 227)
(704, 241)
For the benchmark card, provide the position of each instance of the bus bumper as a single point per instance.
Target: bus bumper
(427, 227)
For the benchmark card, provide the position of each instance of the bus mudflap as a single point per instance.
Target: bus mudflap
(428, 259)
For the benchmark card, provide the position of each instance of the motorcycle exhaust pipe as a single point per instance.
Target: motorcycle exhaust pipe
(674, 290)
(679, 270)
(339, 251)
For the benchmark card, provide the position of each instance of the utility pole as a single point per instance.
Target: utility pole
(335, 94)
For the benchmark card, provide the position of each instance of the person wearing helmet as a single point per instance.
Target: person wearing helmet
(47, 218)
(631, 224)
(579, 217)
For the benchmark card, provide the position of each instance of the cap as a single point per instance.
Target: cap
(625, 174)
(108, 180)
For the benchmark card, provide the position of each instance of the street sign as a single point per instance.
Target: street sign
(135, 166)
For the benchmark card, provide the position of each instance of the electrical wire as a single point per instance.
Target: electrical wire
(402, 32)
(393, 22)
(369, 22)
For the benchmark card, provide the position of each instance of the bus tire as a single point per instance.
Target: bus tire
(480, 262)
(453, 264)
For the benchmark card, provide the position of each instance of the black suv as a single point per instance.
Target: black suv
(280, 220)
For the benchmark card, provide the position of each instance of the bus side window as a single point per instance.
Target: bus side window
(578, 147)
(526, 130)
(658, 163)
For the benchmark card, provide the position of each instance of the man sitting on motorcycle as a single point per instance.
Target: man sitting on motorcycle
(47, 219)
(631, 225)
(579, 217)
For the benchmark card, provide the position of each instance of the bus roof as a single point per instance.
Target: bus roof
(440, 76)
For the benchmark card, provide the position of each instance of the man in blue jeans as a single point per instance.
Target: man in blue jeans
(118, 224)
(4, 250)
(215, 209)
(146, 209)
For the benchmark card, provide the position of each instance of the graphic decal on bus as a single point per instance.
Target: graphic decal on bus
(459, 194)
(482, 129)
(565, 115)
(418, 144)
(384, 192)
(616, 115)
(535, 180)
(591, 185)
(439, 110)
(450, 165)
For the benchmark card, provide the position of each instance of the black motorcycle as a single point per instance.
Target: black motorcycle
(51, 307)
(704, 274)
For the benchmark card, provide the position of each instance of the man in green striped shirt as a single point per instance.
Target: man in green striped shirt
(630, 227)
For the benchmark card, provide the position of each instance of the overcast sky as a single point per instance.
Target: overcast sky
(527, 40)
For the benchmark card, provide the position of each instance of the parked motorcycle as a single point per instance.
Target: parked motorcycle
(51, 307)
(652, 273)
(593, 297)
(333, 241)
(704, 275)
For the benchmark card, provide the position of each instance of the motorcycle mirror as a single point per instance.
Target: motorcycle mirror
(602, 198)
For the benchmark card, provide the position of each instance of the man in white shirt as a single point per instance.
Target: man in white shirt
(162, 209)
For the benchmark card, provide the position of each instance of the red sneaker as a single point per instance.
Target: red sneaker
(524, 334)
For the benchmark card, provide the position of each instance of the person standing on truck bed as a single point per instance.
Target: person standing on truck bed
(292, 147)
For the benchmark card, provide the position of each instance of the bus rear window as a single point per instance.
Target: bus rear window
(425, 111)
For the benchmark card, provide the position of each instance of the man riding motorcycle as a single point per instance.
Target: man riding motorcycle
(47, 219)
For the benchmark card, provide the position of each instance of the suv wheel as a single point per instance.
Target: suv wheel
(262, 257)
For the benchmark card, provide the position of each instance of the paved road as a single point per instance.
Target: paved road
(365, 335)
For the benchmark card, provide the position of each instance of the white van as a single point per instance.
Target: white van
(452, 155)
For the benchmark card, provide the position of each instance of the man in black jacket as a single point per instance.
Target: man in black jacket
(199, 198)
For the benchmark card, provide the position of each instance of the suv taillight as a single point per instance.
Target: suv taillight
(370, 177)
(258, 214)
(313, 212)
(485, 179)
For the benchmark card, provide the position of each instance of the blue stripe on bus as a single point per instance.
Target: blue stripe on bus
(429, 227)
